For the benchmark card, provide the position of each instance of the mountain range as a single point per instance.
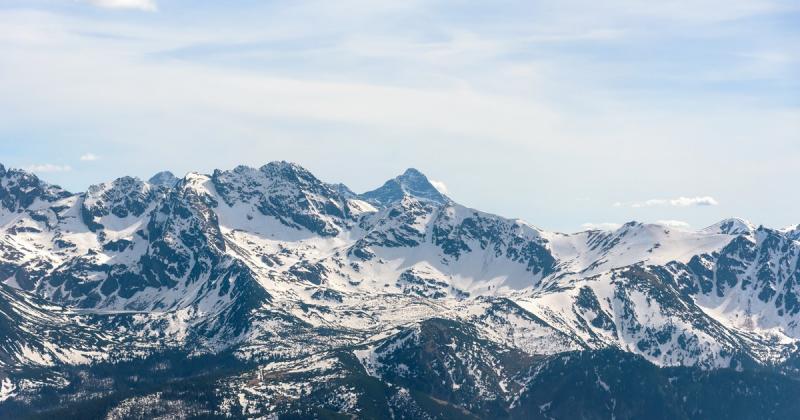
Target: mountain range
(269, 293)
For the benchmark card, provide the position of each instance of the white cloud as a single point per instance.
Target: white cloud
(147, 5)
(675, 202)
(88, 157)
(601, 226)
(675, 224)
(439, 185)
(48, 167)
(693, 201)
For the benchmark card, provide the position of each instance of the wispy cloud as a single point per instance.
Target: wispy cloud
(439, 185)
(693, 201)
(674, 202)
(89, 157)
(676, 224)
(146, 5)
(48, 167)
(601, 226)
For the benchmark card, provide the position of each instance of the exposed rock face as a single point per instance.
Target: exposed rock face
(398, 300)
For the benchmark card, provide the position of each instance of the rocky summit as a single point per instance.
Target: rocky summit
(269, 293)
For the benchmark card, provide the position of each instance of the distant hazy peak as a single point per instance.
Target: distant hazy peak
(163, 179)
(412, 183)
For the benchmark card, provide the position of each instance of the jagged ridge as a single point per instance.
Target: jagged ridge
(275, 264)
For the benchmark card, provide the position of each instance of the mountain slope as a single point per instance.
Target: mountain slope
(401, 292)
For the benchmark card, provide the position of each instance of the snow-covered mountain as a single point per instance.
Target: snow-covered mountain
(311, 298)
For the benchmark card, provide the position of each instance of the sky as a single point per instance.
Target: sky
(568, 114)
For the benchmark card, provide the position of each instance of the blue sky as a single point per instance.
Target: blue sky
(563, 113)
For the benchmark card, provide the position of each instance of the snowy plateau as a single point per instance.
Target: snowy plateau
(268, 293)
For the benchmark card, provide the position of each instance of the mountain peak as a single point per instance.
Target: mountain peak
(289, 171)
(163, 179)
(282, 166)
(21, 188)
(411, 183)
(125, 185)
(412, 173)
(731, 226)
